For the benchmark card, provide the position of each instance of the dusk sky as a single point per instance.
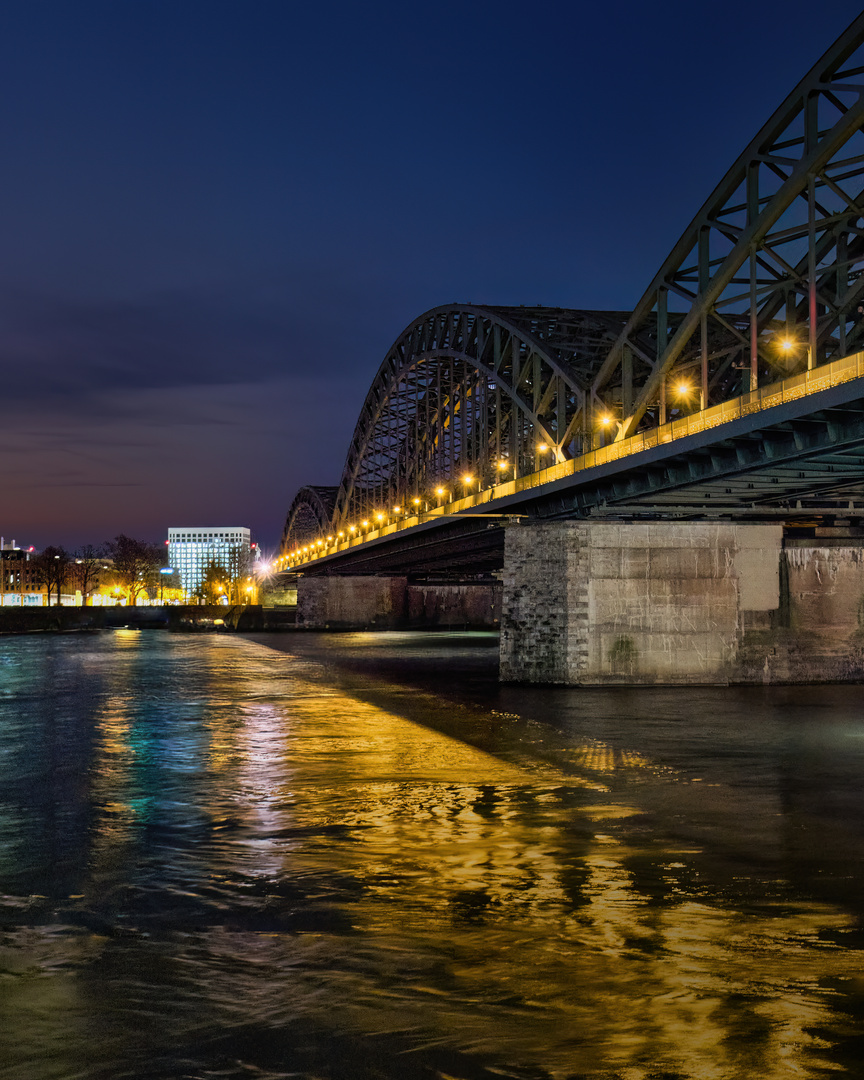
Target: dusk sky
(217, 216)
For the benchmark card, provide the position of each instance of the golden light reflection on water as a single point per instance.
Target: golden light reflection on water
(266, 850)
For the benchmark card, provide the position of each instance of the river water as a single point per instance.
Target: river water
(357, 856)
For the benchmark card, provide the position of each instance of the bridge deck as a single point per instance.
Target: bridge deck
(815, 417)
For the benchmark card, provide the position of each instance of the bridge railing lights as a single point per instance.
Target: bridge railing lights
(790, 389)
(789, 346)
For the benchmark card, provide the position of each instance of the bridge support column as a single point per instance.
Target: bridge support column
(368, 602)
(351, 602)
(595, 603)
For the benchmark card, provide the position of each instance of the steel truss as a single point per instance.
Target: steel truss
(465, 390)
(767, 278)
(309, 515)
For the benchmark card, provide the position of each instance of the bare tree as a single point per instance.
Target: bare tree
(135, 564)
(87, 569)
(236, 562)
(53, 569)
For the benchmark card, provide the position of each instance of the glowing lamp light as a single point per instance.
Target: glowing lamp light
(416, 502)
(787, 345)
(605, 420)
(365, 524)
(352, 528)
(683, 389)
(439, 491)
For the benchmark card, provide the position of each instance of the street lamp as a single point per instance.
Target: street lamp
(162, 571)
(789, 346)
(543, 448)
(505, 464)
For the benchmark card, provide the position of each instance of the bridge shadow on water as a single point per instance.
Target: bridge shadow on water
(732, 807)
(358, 857)
(730, 760)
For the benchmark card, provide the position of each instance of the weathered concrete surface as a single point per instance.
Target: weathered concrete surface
(817, 632)
(637, 603)
(391, 603)
(473, 606)
(351, 603)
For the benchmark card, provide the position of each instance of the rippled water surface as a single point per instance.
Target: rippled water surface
(357, 856)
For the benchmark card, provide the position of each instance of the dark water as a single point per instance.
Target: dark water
(357, 856)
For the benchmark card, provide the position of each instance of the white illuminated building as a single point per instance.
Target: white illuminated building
(192, 549)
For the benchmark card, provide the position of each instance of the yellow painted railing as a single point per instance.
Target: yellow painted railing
(767, 397)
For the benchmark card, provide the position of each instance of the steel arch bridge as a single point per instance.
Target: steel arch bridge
(767, 280)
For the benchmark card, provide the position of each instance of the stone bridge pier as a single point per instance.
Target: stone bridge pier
(690, 603)
(391, 602)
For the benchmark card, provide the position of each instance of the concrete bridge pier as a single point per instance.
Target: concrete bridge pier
(665, 603)
(387, 602)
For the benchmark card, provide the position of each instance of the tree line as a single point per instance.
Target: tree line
(134, 567)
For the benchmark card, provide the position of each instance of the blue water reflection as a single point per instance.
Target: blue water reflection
(360, 857)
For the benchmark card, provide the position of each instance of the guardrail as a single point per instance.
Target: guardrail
(767, 397)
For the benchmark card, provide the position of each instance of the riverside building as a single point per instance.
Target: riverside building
(192, 549)
(20, 583)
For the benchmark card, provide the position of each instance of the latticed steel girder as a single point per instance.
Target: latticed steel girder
(767, 278)
(473, 390)
(309, 515)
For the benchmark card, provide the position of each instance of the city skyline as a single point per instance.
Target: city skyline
(216, 226)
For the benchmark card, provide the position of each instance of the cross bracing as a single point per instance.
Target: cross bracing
(769, 275)
(309, 514)
(469, 390)
(766, 281)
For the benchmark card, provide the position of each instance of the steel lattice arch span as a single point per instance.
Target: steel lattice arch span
(766, 281)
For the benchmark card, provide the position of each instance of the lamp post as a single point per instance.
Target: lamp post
(503, 464)
(542, 448)
(683, 389)
(164, 570)
(790, 345)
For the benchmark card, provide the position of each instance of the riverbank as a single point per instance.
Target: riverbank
(186, 618)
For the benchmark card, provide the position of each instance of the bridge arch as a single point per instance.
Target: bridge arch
(309, 515)
(465, 388)
(768, 277)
